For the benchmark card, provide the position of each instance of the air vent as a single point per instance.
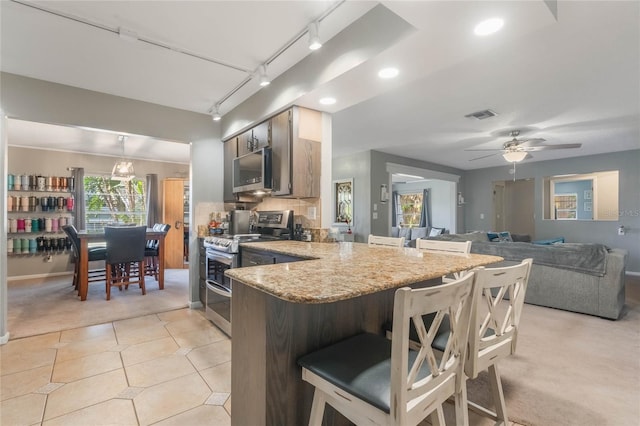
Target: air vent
(481, 115)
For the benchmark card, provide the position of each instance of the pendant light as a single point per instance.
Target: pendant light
(123, 169)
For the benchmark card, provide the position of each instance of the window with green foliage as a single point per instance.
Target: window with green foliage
(112, 201)
(408, 215)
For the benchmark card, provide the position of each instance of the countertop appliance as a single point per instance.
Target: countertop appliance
(222, 254)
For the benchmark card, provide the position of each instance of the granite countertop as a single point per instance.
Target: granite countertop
(340, 271)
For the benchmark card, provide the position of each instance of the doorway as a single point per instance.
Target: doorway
(513, 206)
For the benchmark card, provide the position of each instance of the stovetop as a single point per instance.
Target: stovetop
(230, 243)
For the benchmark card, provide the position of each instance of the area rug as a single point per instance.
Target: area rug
(572, 369)
(39, 306)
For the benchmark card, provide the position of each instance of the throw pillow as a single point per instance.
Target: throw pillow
(435, 231)
(503, 236)
(418, 233)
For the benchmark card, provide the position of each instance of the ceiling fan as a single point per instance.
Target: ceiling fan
(517, 150)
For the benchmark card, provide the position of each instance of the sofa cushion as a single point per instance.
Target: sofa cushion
(420, 232)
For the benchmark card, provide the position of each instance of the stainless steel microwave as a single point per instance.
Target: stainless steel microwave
(253, 171)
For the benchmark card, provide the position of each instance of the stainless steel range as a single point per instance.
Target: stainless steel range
(222, 254)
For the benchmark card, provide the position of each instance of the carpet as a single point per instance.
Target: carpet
(572, 369)
(39, 306)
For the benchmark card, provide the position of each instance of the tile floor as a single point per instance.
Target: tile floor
(172, 368)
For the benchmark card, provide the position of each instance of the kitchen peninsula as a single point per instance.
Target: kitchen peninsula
(282, 311)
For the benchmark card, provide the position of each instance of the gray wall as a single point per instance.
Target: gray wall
(358, 168)
(478, 197)
(36, 100)
(369, 171)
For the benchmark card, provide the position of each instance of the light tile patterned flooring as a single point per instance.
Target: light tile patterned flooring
(172, 368)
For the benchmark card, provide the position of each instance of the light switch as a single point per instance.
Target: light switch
(375, 215)
(481, 215)
(375, 207)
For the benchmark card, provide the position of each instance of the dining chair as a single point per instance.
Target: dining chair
(440, 246)
(375, 240)
(373, 380)
(125, 257)
(151, 251)
(95, 253)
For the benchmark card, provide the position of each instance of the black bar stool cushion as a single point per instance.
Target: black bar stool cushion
(360, 365)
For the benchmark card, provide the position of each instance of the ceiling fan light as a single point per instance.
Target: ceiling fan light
(514, 156)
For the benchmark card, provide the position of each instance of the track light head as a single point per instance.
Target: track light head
(314, 38)
(264, 78)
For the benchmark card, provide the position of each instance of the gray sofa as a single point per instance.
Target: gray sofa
(585, 278)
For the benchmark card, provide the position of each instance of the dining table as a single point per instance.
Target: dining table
(87, 237)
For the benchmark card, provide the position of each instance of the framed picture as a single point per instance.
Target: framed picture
(343, 202)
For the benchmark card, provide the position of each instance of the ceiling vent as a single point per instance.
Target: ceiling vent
(481, 115)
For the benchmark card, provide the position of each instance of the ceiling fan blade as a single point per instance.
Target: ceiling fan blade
(546, 147)
(484, 156)
(532, 141)
(485, 149)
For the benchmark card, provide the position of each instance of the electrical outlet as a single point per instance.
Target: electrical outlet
(375, 215)
(311, 213)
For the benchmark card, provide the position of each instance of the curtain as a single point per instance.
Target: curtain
(79, 202)
(425, 215)
(152, 200)
(395, 205)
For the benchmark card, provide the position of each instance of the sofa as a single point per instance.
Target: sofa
(413, 233)
(577, 277)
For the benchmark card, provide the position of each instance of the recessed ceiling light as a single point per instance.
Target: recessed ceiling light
(489, 26)
(328, 101)
(388, 73)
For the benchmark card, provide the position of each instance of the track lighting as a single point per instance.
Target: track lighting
(264, 78)
(314, 38)
(216, 114)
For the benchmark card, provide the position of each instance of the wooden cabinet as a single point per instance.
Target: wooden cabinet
(245, 142)
(255, 138)
(296, 136)
(253, 257)
(230, 148)
(173, 214)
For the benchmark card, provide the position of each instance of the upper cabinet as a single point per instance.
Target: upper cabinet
(255, 138)
(296, 136)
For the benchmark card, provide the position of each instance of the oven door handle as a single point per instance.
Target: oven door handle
(225, 259)
(218, 289)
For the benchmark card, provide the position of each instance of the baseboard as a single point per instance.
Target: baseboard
(632, 273)
(195, 305)
(30, 277)
(4, 339)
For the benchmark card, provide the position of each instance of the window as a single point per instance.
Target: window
(408, 215)
(112, 201)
